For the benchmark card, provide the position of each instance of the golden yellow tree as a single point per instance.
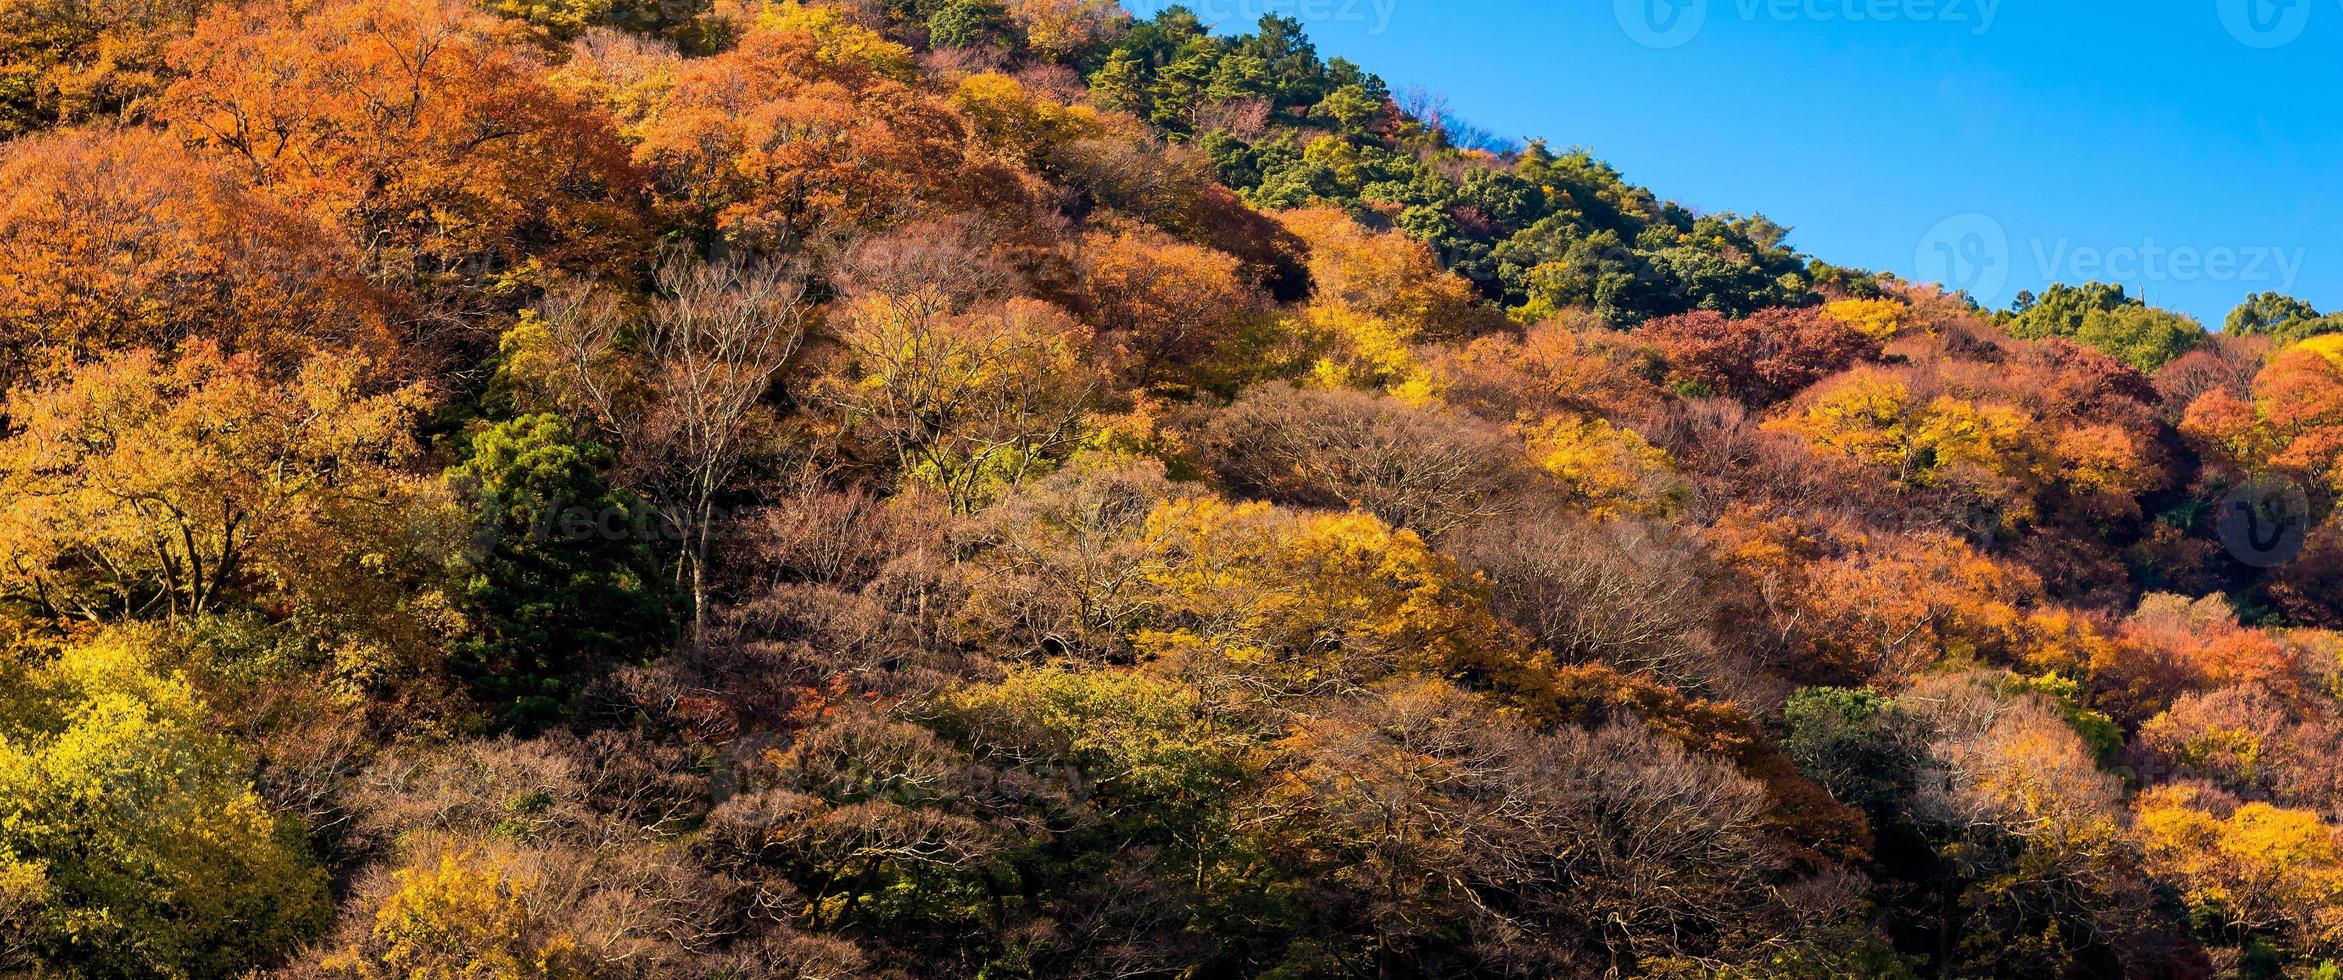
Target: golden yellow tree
(152, 486)
(2256, 869)
(131, 841)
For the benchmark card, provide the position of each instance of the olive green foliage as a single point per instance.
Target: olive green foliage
(2281, 318)
(2100, 315)
(1538, 230)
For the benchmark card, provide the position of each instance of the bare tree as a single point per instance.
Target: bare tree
(1420, 468)
(688, 412)
(973, 403)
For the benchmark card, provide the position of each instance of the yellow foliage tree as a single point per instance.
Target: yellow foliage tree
(1019, 123)
(2260, 869)
(465, 918)
(131, 842)
(1609, 470)
(64, 61)
(1255, 603)
(1063, 30)
(1378, 295)
(1879, 319)
(972, 403)
(144, 486)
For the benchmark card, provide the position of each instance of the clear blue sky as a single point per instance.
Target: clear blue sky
(2112, 138)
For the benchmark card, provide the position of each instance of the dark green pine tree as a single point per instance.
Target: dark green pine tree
(561, 583)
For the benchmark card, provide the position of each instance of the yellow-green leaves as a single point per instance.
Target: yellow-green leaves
(131, 842)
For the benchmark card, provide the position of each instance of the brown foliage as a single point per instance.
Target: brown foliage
(1420, 468)
(1760, 360)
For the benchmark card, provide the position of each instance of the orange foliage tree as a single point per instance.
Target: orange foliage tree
(809, 120)
(2294, 422)
(112, 239)
(1164, 307)
(1861, 608)
(422, 126)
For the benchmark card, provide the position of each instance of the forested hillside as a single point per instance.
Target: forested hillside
(999, 488)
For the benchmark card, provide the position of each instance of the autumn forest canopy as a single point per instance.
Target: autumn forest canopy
(1003, 488)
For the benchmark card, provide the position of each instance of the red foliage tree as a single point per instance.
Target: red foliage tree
(1760, 360)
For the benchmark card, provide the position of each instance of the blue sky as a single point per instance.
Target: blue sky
(2192, 149)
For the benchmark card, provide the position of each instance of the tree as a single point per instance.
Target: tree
(1279, 605)
(1414, 467)
(1424, 814)
(1067, 31)
(2141, 336)
(1607, 470)
(1258, 605)
(2101, 316)
(1878, 319)
(2254, 869)
(1760, 360)
(2294, 420)
(2281, 318)
(2045, 870)
(1860, 745)
(968, 24)
(146, 486)
(2061, 309)
(689, 409)
(565, 581)
(2172, 644)
(68, 62)
(1164, 308)
(464, 917)
(1376, 295)
(809, 120)
(420, 127)
(131, 841)
(974, 403)
(114, 239)
(1610, 592)
(1873, 417)
(1384, 276)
